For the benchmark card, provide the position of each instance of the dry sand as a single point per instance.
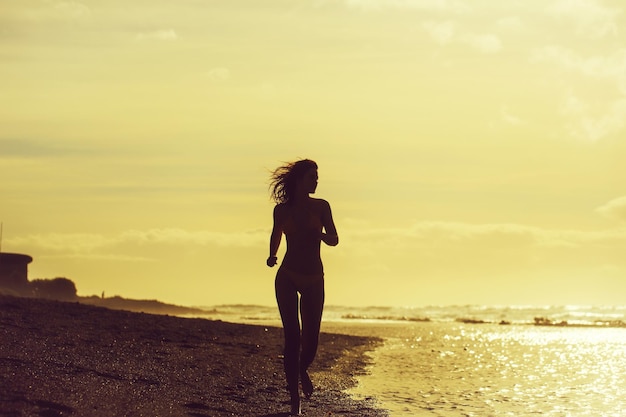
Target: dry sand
(70, 359)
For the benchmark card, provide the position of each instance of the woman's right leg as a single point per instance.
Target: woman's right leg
(287, 299)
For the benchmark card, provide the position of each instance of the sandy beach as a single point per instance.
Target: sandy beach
(70, 359)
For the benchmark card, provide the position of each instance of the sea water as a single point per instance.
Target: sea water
(565, 361)
(449, 369)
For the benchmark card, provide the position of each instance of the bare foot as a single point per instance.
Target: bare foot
(295, 405)
(307, 385)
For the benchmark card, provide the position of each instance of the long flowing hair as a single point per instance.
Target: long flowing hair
(284, 179)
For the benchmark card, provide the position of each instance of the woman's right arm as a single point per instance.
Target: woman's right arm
(275, 238)
(330, 237)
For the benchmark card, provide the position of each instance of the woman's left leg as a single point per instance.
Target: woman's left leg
(311, 308)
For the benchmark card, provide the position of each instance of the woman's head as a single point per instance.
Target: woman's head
(288, 179)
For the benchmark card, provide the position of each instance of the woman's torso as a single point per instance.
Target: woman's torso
(302, 226)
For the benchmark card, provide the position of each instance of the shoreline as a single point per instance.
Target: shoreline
(65, 358)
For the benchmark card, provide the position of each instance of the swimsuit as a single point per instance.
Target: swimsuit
(299, 281)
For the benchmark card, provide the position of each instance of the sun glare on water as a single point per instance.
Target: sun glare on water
(460, 370)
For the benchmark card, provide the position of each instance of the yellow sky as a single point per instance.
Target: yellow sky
(472, 151)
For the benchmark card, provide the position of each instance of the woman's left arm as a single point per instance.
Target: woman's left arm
(330, 236)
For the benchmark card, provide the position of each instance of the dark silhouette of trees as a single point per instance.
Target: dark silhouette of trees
(61, 289)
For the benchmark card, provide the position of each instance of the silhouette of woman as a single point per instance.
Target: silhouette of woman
(306, 222)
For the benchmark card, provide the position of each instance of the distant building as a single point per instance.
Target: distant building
(14, 271)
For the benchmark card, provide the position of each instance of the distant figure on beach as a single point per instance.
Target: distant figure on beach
(306, 222)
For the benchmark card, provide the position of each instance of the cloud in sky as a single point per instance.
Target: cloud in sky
(586, 119)
(612, 121)
(36, 148)
(504, 235)
(511, 23)
(585, 123)
(615, 209)
(610, 67)
(180, 236)
(71, 9)
(450, 6)
(590, 17)
(81, 244)
(45, 11)
(510, 118)
(439, 236)
(446, 32)
(488, 254)
(158, 35)
(441, 32)
(74, 243)
(486, 43)
(430, 250)
(219, 74)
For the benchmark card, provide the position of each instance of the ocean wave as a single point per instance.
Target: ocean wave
(351, 316)
(557, 316)
(544, 321)
(538, 321)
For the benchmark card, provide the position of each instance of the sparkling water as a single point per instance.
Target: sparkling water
(567, 361)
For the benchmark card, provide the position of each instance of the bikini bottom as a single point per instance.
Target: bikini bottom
(299, 281)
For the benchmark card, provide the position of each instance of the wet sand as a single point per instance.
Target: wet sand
(70, 359)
